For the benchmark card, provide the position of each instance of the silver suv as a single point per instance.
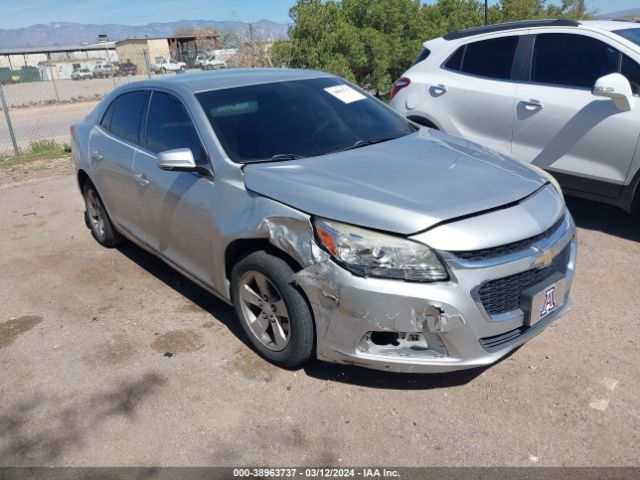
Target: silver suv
(335, 227)
(560, 94)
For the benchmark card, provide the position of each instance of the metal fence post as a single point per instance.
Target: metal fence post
(146, 61)
(5, 109)
(53, 80)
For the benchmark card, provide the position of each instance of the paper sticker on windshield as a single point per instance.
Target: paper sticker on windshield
(345, 93)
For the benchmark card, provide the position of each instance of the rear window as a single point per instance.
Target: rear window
(488, 58)
(301, 118)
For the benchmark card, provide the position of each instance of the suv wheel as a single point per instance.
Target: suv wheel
(97, 219)
(273, 314)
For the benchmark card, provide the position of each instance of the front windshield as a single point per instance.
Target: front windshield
(631, 34)
(295, 119)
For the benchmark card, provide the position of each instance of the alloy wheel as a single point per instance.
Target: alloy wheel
(264, 310)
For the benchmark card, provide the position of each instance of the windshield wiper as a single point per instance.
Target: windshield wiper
(286, 156)
(279, 157)
(364, 143)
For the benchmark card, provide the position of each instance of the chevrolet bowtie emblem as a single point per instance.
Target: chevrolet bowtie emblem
(544, 259)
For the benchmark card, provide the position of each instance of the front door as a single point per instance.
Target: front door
(561, 127)
(176, 208)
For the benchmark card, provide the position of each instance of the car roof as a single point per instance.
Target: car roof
(606, 25)
(610, 25)
(229, 78)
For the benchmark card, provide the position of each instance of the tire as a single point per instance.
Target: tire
(286, 311)
(97, 219)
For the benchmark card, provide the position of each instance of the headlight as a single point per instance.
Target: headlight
(372, 254)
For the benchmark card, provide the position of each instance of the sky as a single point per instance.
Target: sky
(23, 13)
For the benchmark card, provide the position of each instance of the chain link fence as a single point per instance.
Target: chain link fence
(43, 93)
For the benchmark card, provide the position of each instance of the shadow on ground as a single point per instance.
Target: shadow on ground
(28, 438)
(185, 287)
(604, 218)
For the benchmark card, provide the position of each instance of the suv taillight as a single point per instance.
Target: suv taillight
(399, 85)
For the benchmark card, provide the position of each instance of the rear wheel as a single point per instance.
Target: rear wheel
(273, 314)
(98, 220)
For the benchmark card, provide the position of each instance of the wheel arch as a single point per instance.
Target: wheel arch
(83, 177)
(240, 248)
(243, 247)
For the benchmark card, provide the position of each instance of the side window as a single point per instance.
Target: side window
(572, 60)
(108, 115)
(424, 54)
(631, 70)
(127, 115)
(490, 58)
(169, 127)
(455, 61)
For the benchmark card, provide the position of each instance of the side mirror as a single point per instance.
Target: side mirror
(616, 87)
(180, 159)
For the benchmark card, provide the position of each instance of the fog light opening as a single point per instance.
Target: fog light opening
(384, 338)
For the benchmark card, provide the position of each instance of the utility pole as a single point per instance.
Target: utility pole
(486, 12)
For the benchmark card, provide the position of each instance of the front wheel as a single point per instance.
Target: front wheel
(98, 220)
(273, 314)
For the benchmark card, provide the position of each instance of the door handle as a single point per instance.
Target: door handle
(97, 155)
(141, 179)
(532, 104)
(439, 89)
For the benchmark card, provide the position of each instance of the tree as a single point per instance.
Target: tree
(365, 41)
(372, 42)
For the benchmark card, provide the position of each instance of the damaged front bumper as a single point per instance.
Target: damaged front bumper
(423, 327)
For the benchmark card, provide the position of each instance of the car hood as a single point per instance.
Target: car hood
(404, 186)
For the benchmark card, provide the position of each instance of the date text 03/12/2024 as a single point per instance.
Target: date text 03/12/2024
(315, 473)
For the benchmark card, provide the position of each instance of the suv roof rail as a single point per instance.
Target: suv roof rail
(498, 27)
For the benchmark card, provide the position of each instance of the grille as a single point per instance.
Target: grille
(503, 294)
(488, 253)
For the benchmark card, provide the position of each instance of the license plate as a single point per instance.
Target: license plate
(544, 301)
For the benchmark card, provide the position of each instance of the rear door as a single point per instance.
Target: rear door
(113, 143)
(560, 126)
(176, 207)
(475, 95)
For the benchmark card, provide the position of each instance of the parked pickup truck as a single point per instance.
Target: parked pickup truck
(212, 63)
(163, 65)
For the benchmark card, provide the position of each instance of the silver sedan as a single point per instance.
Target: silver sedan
(336, 228)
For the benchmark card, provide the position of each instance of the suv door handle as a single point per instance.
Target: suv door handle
(439, 89)
(141, 179)
(97, 155)
(532, 104)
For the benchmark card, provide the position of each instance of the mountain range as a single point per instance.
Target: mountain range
(633, 12)
(67, 33)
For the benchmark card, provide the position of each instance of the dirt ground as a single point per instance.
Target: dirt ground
(85, 380)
